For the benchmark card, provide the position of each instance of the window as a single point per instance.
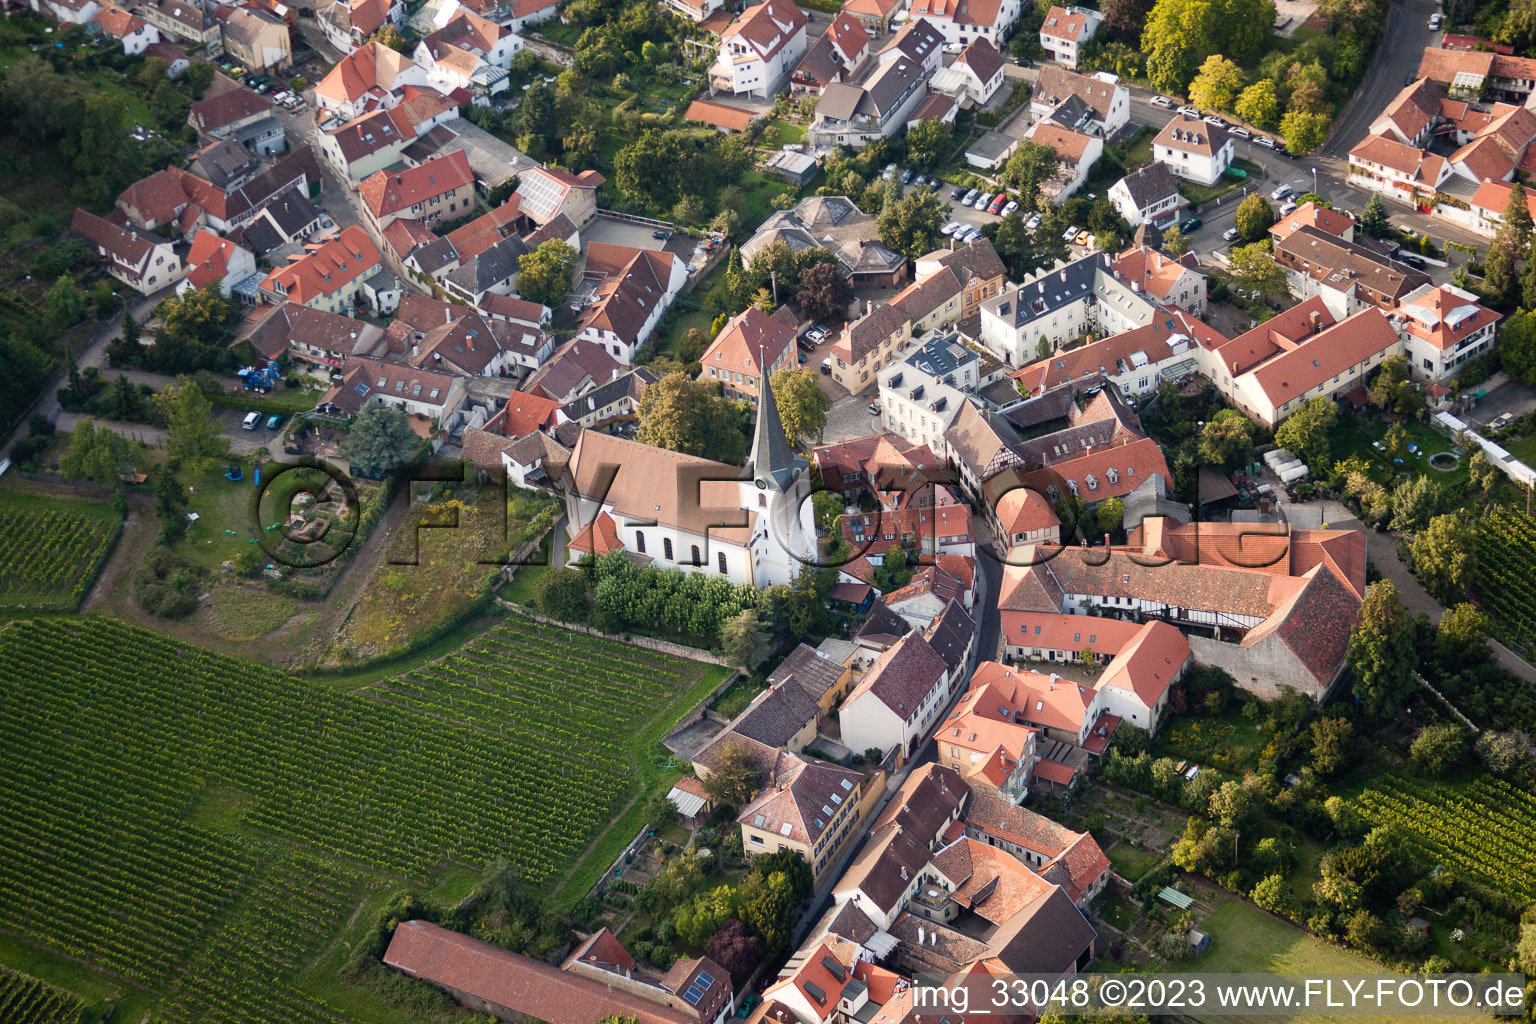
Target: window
(697, 559)
(640, 542)
(666, 548)
(721, 556)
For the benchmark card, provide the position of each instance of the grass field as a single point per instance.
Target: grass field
(50, 550)
(209, 855)
(1132, 861)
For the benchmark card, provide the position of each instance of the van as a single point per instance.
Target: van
(826, 366)
(250, 421)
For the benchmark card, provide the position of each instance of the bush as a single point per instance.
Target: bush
(168, 586)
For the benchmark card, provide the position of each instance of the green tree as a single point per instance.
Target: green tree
(1031, 165)
(95, 455)
(1176, 39)
(1111, 514)
(1461, 638)
(688, 416)
(1259, 105)
(1124, 18)
(544, 275)
(1511, 244)
(1225, 439)
(911, 225)
(735, 776)
(1174, 242)
(1517, 347)
(823, 293)
(801, 402)
(63, 304)
(928, 143)
(1216, 85)
(1304, 131)
(1254, 267)
(1374, 219)
(561, 594)
(706, 913)
(1445, 555)
(202, 315)
(1438, 749)
(1381, 653)
(1414, 501)
(536, 114)
(1254, 218)
(768, 905)
(379, 440)
(744, 639)
(193, 435)
(1330, 745)
(1273, 893)
(894, 571)
(1305, 431)
(393, 38)
(170, 502)
(1232, 805)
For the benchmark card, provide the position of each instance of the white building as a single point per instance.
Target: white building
(759, 49)
(634, 289)
(921, 395)
(1193, 149)
(1095, 103)
(1149, 196)
(899, 699)
(1065, 30)
(470, 53)
(1443, 327)
(1397, 170)
(964, 21)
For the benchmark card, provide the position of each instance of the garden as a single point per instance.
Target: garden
(51, 549)
(205, 855)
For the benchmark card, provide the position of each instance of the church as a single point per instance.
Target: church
(750, 525)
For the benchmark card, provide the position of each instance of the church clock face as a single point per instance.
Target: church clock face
(762, 484)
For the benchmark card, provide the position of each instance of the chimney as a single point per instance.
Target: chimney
(922, 936)
(1317, 321)
(869, 307)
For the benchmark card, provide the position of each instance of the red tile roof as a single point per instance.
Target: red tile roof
(328, 266)
(388, 192)
(208, 260)
(719, 114)
(1335, 222)
(1063, 24)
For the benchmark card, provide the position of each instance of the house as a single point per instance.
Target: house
(1193, 149)
(1136, 361)
(1339, 223)
(1480, 74)
(470, 53)
(1412, 115)
(852, 115)
(759, 49)
(1065, 30)
(744, 525)
(1179, 283)
(1397, 170)
(918, 42)
(695, 10)
(310, 336)
(982, 741)
(619, 399)
(367, 145)
(1049, 307)
(634, 289)
(811, 808)
(1071, 859)
(134, 33)
(439, 190)
(174, 56)
(1111, 471)
(834, 57)
(286, 219)
(991, 151)
(70, 12)
(328, 275)
(370, 77)
(1076, 154)
(1443, 327)
(143, 261)
(231, 111)
(874, 15)
(183, 201)
(725, 119)
(975, 76)
(1490, 202)
(574, 369)
(921, 395)
(429, 396)
(898, 700)
(1102, 105)
(1347, 275)
(256, 39)
(348, 24)
(214, 259)
(1149, 196)
(978, 267)
(748, 348)
(964, 21)
(883, 332)
(186, 21)
(548, 192)
(835, 224)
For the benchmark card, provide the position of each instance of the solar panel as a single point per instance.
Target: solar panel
(705, 978)
(693, 995)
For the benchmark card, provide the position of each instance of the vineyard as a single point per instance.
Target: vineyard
(117, 741)
(1483, 832)
(50, 550)
(25, 1000)
(1506, 572)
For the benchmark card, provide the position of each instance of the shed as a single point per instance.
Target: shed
(1199, 941)
(1216, 489)
(990, 150)
(795, 168)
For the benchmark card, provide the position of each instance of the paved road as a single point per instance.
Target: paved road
(1406, 35)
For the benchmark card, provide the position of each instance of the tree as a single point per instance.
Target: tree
(911, 225)
(201, 315)
(95, 455)
(702, 916)
(193, 435)
(1462, 637)
(1517, 347)
(1124, 18)
(1304, 131)
(544, 275)
(561, 594)
(1174, 242)
(802, 882)
(393, 38)
(1175, 40)
(1111, 514)
(744, 639)
(679, 878)
(1259, 105)
(928, 142)
(1511, 244)
(1414, 501)
(1254, 218)
(685, 415)
(1445, 555)
(1225, 439)
(893, 572)
(735, 950)
(1254, 268)
(1346, 820)
(1381, 651)
(63, 304)
(1506, 754)
(823, 293)
(1216, 85)
(1438, 749)
(1330, 745)
(1374, 220)
(1232, 804)
(1273, 893)
(1305, 431)
(380, 439)
(171, 503)
(1388, 387)
(1030, 165)
(768, 904)
(735, 776)
(802, 404)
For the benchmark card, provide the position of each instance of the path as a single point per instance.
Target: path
(1404, 38)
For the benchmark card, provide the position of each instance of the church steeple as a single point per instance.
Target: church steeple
(773, 459)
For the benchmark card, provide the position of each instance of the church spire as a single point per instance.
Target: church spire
(772, 457)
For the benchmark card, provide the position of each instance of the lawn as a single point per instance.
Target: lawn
(51, 549)
(1132, 861)
(223, 523)
(1352, 435)
(1227, 742)
(249, 611)
(205, 862)
(735, 700)
(782, 133)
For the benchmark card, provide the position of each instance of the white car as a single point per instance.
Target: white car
(1434, 22)
(1264, 140)
(1230, 234)
(1032, 223)
(1240, 132)
(1162, 101)
(1070, 234)
(1281, 191)
(1013, 204)
(1189, 111)
(888, 173)
(970, 197)
(971, 234)
(1213, 119)
(1290, 205)
(950, 228)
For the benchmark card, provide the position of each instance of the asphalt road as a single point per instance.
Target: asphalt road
(1406, 35)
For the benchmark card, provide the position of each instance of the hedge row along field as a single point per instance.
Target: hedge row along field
(50, 550)
(25, 1000)
(202, 825)
(1485, 832)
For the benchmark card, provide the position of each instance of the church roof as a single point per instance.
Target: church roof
(772, 456)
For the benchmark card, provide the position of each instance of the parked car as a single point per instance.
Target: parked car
(1264, 140)
(1086, 240)
(274, 421)
(1434, 22)
(934, 185)
(1240, 132)
(889, 173)
(817, 333)
(1009, 207)
(661, 235)
(806, 343)
(1033, 222)
(998, 203)
(874, 408)
(970, 197)
(1070, 235)
(1213, 119)
(1162, 101)
(1191, 224)
(1414, 261)
(906, 176)
(1189, 111)
(826, 366)
(958, 194)
(1229, 235)
(1287, 206)
(971, 235)
(950, 228)
(251, 419)
(921, 180)
(1281, 191)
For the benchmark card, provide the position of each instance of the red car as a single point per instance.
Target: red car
(998, 203)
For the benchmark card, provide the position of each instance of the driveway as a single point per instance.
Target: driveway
(1508, 397)
(849, 418)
